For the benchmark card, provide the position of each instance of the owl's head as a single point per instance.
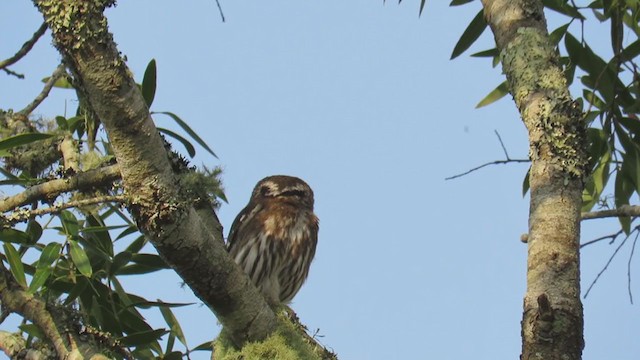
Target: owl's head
(289, 189)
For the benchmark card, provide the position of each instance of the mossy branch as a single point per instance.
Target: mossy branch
(51, 189)
(63, 337)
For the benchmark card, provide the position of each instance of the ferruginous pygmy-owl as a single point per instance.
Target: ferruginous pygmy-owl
(274, 237)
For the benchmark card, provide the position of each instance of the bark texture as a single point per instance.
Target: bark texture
(552, 325)
(187, 236)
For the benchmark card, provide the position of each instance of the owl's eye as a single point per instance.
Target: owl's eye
(298, 193)
(264, 191)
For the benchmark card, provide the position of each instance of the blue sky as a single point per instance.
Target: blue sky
(361, 100)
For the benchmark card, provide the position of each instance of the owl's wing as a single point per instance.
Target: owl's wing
(246, 216)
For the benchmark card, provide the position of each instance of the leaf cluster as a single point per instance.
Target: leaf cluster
(609, 82)
(78, 258)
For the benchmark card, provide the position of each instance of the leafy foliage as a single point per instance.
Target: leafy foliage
(78, 256)
(610, 92)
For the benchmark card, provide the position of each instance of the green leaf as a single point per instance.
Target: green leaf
(145, 304)
(173, 323)
(137, 244)
(35, 231)
(150, 260)
(149, 83)
(631, 124)
(593, 99)
(470, 35)
(98, 234)
(78, 289)
(119, 261)
(76, 123)
(137, 269)
(174, 355)
(623, 190)
(143, 353)
(487, 53)
(15, 264)
(558, 33)
(205, 346)
(190, 149)
(22, 182)
(143, 337)
(62, 122)
(188, 130)
(459, 2)
(39, 278)
(50, 253)
(122, 294)
(629, 146)
(598, 180)
(130, 229)
(33, 330)
(22, 139)
(600, 74)
(495, 95)
(563, 7)
(80, 258)
(62, 82)
(631, 51)
(14, 236)
(69, 222)
(525, 183)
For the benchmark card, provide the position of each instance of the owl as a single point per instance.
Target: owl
(274, 237)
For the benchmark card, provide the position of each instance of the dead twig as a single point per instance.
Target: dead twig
(497, 162)
(26, 47)
(57, 73)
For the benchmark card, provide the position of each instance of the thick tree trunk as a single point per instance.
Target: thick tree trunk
(552, 320)
(188, 238)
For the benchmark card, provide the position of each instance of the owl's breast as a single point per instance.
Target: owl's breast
(294, 229)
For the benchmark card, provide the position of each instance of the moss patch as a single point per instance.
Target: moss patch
(284, 344)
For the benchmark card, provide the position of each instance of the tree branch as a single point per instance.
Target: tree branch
(177, 229)
(559, 165)
(51, 189)
(16, 300)
(57, 73)
(610, 236)
(18, 216)
(497, 162)
(11, 344)
(26, 47)
(613, 255)
(622, 211)
(62, 336)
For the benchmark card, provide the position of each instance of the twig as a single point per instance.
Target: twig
(612, 237)
(497, 162)
(53, 188)
(56, 208)
(506, 154)
(633, 247)
(10, 72)
(220, 10)
(58, 72)
(622, 211)
(605, 266)
(26, 47)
